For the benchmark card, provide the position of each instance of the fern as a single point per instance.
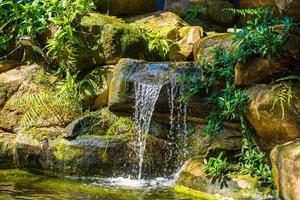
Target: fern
(282, 97)
(259, 12)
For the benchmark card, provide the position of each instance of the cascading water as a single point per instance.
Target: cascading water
(146, 95)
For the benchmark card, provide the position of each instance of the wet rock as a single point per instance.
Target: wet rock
(89, 155)
(275, 122)
(207, 44)
(286, 169)
(82, 126)
(128, 71)
(126, 7)
(256, 70)
(7, 144)
(289, 8)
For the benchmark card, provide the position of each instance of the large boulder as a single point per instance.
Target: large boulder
(256, 70)
(88, 155)
(289, 8)
(209, 43)
(274, 113)
(172, 27)
(128, 72)
(105, 40)
(32, 103)
(11, 80)
(126, 7)
(286, 169)
(167, 23)
(215, 11)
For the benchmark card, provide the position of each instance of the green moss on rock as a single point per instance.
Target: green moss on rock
(64, 151)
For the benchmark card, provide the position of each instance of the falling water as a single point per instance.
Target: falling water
(146, 96)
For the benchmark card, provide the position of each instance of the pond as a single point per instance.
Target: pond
(23, 185)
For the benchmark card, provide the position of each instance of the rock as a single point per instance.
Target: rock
(106, 39)
(89, 155)
(286, 169)
(289, 8)
(7, 144)
(177, 6)
(31, 103)
(274, 122)
(7, 65)
(207, 44)
(167, 23)
(126, 7)
(174, 28)
(238, 186)
(128, 71)
(256, 70)
(183, 49)
(11, 80)
(244, 4)
(200, 146)
(215, 11)
(99, 79)
(81, 126)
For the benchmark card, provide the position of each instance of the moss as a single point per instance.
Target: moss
(124, 125)
(42, 134)
(15, 174)
(97, 19)
(66, 152)
(194, 193)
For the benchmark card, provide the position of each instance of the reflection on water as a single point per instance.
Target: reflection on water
(21, 185)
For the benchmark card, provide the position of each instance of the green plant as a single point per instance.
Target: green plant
(229, 102)
(263, 36)
(157, 42)
(219, 169)
(34, 17)
(283, 96)
(252, 162)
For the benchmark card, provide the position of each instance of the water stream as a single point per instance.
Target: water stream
(146, 96)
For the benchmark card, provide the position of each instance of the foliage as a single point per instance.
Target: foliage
(258, 12)
(229, 103)
(192, 13)
(32, 18)
(251, 162)
(282, 97)
(156, 42)
(218, 169)
(56, 103)
(263, 36)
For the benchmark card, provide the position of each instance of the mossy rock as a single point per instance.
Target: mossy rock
(106, 40)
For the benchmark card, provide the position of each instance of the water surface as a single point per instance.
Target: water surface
(22, 185)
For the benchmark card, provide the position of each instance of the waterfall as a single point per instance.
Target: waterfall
(146, 96)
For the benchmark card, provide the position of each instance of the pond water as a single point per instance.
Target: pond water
(22, 185)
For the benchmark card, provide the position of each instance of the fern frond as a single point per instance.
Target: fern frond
(249, 11)
(282, 97)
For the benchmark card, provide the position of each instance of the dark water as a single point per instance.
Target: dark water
(21, 185)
